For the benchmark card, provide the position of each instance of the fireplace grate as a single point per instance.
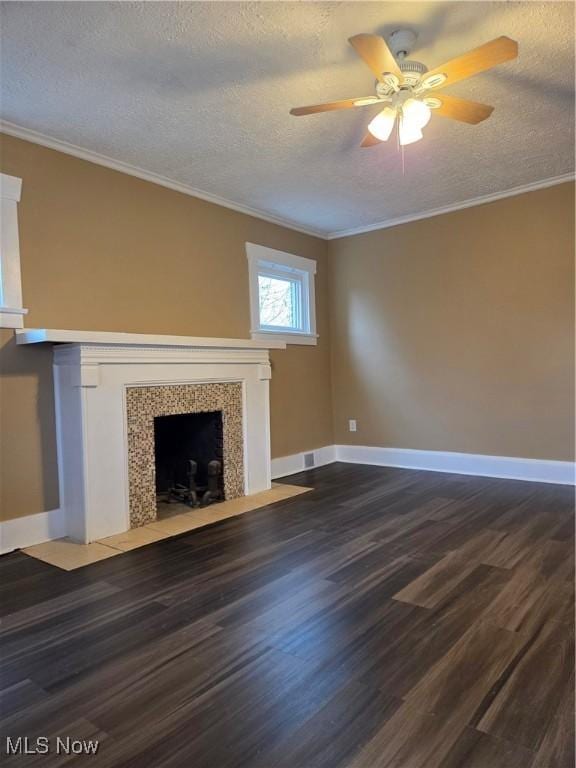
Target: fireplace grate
(189, 458)
(195, 495)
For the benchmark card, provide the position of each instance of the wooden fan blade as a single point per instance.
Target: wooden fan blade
(480, 59)
(462, 109)
(331, 106)
(374, 51)
(370, 141)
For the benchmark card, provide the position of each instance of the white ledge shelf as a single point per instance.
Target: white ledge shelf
(109, 338)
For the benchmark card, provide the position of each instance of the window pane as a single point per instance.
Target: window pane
(279, 302)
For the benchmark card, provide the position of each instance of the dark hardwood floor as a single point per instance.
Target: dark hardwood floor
(389, 618)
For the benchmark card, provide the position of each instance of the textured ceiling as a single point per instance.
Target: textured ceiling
(200, 92)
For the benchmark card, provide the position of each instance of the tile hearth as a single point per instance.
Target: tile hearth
(68, 555)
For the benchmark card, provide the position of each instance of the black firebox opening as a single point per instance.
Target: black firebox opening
(185, 441)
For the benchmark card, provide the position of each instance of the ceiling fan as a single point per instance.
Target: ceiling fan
(408, 90)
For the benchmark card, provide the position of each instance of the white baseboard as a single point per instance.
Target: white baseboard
(290, 465)
(535, 470)
(45, 526)
(32, 529)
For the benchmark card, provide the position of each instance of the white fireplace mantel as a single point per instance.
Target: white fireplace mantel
(92, 371)
(55, 336)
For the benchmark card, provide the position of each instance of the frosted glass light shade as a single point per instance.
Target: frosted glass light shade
(408, 133)
(381, 126)
(416, 113)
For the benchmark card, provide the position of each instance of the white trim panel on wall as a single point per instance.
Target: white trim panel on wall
(534, 470)
(32, 529)
(506, 467)
(290, 465)
(11, 310)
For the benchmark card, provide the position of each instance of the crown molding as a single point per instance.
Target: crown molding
(471, 203)
(19, 132)
(11, 129)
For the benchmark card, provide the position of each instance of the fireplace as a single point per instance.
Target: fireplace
(189, 459)
(183, 421)
(109, 389)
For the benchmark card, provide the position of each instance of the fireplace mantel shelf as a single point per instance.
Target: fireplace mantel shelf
(108, 338)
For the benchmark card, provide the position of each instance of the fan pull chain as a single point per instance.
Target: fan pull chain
(399, 146)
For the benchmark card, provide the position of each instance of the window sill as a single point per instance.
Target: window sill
(11, 317)
(306, 339)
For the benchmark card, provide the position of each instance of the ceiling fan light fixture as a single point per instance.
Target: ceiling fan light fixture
(404, 85)
(416, 113)
(382, 125)
(408, 133)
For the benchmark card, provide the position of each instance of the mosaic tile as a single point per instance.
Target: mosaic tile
(144, 404)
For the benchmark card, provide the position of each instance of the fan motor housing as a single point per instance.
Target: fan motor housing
(401, 43)
(412, 71)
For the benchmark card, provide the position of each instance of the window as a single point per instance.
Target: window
(282, 300)
(11, 310)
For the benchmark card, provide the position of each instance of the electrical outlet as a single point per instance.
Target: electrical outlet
(352, 425)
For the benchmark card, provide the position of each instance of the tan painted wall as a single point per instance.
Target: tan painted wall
(456, 333)
(452, 333)
(105, 251)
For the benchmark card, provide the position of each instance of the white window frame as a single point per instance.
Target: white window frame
(272, 263)
(11, 310)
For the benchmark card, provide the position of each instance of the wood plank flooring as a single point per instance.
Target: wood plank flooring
(387, 619)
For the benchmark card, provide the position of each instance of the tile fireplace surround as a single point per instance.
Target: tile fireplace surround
(109, 386)
(143, 404)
